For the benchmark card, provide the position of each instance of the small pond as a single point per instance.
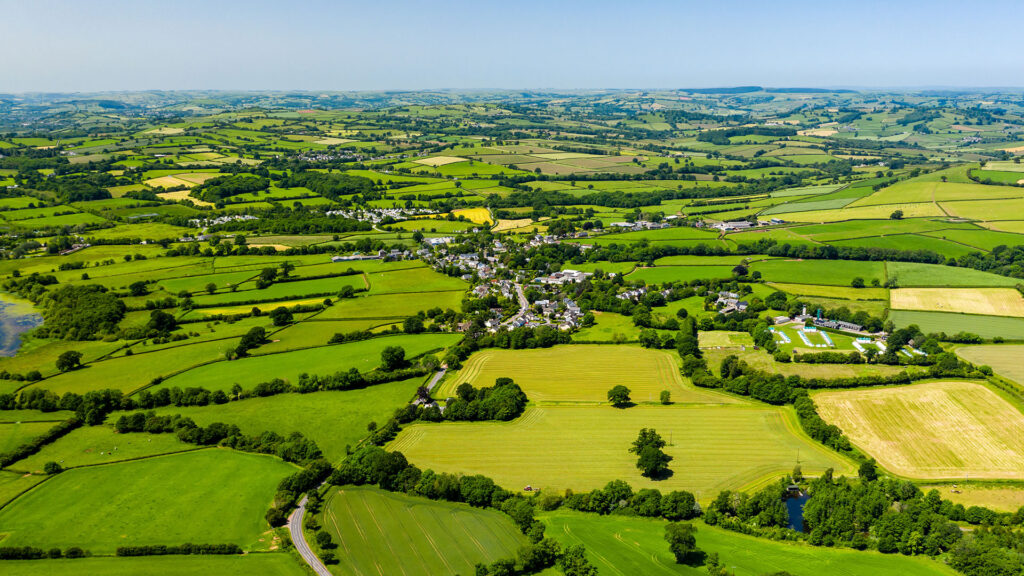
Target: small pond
(16, 318)
(795, 507)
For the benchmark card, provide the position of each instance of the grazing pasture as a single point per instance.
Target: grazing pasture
(827, 272)
(324, 360)
(91, 445)
(665, 274)
(583, 447)
(940, 430)
(332, 419)
(987, 301)
(581, 373)
(912, 274)
(277, 564)
(633, 545)
(436, 537)
(211, 496)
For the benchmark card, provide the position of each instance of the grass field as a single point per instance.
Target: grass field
(14, 483)
(583, 447)
(1006, 360)
(911, 274)
(664, 274)
(581, 373)
(209, 496)
(332, 419)
(987, 301)
(14, 434)
(763, 361)
(325, 360)
(91, 445)
(940, 430)
(624, 546)
(839, 292)
(951, 323)
(277, 564)
(435, 537)
(827, 272)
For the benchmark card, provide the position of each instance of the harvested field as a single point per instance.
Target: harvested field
(987, 301)
(934, 430)
(439, 160)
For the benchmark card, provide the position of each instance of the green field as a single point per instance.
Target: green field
(952, 323)
(436, 537)
(278, 564)
(626, 546)
(325, 360)
(909, 274)
(209, 496)
(665, 274)
(14, 434)
(581, 373)
(829, 272)
(91, 445)
(331, 419)
(583, 447)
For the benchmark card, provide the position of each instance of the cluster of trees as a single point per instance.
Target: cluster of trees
(517, 339)
(183, 549)
(32, 553)
(329, 185)
(293, 448)
(80, 312)
(721, 137)
(504, 401)
(291, 488)
(617, 497)
(218, 189)
(91, 407)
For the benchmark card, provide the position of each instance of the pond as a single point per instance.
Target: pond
(16, 318)
(795, 507)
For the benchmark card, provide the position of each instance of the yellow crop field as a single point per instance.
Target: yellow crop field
(940, 430)
(333, 141)
(179, 195)
(988, 301)
(996, 497)
(506, 225)
(478, 215)
(582, 373)
(168, 182)
(436, 161)
(581, 447)
(197, 177)
(914, 210)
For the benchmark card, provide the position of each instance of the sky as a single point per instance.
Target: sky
(114, 45)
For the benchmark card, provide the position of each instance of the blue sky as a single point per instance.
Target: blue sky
(97, 45)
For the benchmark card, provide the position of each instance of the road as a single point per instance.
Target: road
(524, 305)
(299, 539)
(437, 378)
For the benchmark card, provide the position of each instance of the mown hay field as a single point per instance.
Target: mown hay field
(581, 373)
(1008, 497)
(633, 545)
(210, 496)
(933, 430)
(583, 447)
(987, 301)
(1006, 360)
(436, 537)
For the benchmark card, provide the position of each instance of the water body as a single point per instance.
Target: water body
(16, 318)
(795, 507)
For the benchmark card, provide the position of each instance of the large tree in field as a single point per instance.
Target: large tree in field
(681, 540)
(69, 360)
(651, 459)
(619, 396)
(392, 358)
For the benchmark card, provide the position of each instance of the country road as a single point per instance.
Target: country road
(437, 378)
(524, 305)
(299, 539)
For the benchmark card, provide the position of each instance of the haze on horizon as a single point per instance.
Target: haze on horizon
(116, 45)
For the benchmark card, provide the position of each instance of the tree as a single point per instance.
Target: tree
(897, 215)
(574, 562)
(666, 397)
(413, 325)
(392, 358)
(323, 540)
(286, 269)
(868, 471)
(647, 437)
(653, 462)
(281, 316)
(619, 396)
(160, 321)
(138, 288)
(51, 468)
(69, 360)
(681, 540)
(857, 282)
(739, 270)
(211, 288)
